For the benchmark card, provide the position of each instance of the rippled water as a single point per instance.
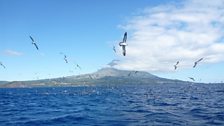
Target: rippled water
(167, 104)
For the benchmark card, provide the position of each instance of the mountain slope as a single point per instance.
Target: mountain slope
(3, 82)
(103, 76)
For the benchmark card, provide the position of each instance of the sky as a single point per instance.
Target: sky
(160, 33)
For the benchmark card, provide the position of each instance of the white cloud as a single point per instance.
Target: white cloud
(185, 32)
(9, 52)
(113, 63)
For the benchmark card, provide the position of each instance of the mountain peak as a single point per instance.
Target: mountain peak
(108, 71)
(112, 72)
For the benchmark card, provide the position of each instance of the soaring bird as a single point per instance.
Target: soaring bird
(2, 65)
(191, 78)
(195, 63)
(175, 66)
(34, 43)
(78, 66)
(123, 44)
(135, 72)
(65, 58)
(90, 76)
(114, 49)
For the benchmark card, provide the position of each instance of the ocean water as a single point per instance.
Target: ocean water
(149, 105)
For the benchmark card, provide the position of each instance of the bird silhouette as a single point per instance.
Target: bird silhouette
(65, 58)
(34, 43)
(78, 66)
(114, 49)
(2, 65)
(90, 76)
(195, 63)
(135, 72)
(123, 44)
(175, 66)
(191, 78)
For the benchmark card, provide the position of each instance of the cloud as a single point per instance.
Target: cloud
(113, 63)
(158, 37)
(12, 53)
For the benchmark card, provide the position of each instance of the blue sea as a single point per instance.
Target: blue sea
(123, 105)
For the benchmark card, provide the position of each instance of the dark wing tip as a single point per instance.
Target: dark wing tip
(125, 33)
(36, 46)
(175, 67)
(200, 59)
(125, 37)
(31, 38)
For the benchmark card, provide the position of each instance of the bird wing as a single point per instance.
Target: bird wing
(2, 65)
(31, 38)
(192, 78)
(125, 37)
(36, 46)
(124, 50)
(175, 67)
(200, 60)
(65, 58)
(195, 64)
(78, 66)
(114, 49)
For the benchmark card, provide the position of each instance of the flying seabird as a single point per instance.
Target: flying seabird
(2, 65)
(135, 72)
(90, 76)
(195, 63)
(78, 66)
(114, 49)
(191, 78)
(34, 43)
(175, 66)
(124, 44)
(65, 58)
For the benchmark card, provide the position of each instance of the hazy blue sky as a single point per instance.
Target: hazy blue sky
(160, 33)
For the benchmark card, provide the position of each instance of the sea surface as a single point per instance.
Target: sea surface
(124, 105)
